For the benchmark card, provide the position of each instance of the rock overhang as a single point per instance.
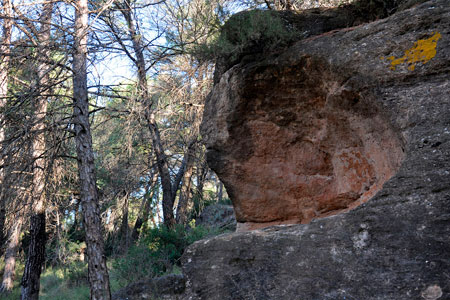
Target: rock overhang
(300, 142)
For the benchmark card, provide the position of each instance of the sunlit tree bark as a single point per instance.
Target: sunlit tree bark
(97, 270)
(4, 69)
(10, 255)
(36, 251)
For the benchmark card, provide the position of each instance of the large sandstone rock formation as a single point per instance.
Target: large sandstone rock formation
(304, 134)
(359, 116)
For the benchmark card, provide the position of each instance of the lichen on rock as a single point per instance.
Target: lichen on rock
(422, 52)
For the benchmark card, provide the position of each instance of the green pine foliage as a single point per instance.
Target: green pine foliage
(249, 32)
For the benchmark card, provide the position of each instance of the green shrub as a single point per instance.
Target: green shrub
(158, 252)
(77, 274)
(249, 32)
(134, 266)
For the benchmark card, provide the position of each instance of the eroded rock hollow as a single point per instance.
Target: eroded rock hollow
(297, 143)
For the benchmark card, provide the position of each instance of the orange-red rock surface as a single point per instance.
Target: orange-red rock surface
(296, 143)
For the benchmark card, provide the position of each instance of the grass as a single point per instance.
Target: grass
(58, 284)
(55, 285)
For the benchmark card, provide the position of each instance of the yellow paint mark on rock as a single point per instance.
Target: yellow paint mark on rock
(422, 52)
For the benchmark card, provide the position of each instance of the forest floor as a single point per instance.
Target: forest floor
(60, 284)
(57, 284)
(157, 253)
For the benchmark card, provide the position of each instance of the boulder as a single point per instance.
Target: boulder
(348, 132)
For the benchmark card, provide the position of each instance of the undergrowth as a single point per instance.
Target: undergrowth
(158, 252)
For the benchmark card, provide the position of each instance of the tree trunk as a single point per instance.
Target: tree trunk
(97, 270)
(10, 256)
(124, 228)
(146, 206)
(5, 51)
(169, 187)
(158, 212)
(163, 167)
(35, 260)
(36, 252)
(2, 223)
(202, 172)
(185, 193)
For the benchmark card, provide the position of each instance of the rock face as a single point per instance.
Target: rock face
(360, 115)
